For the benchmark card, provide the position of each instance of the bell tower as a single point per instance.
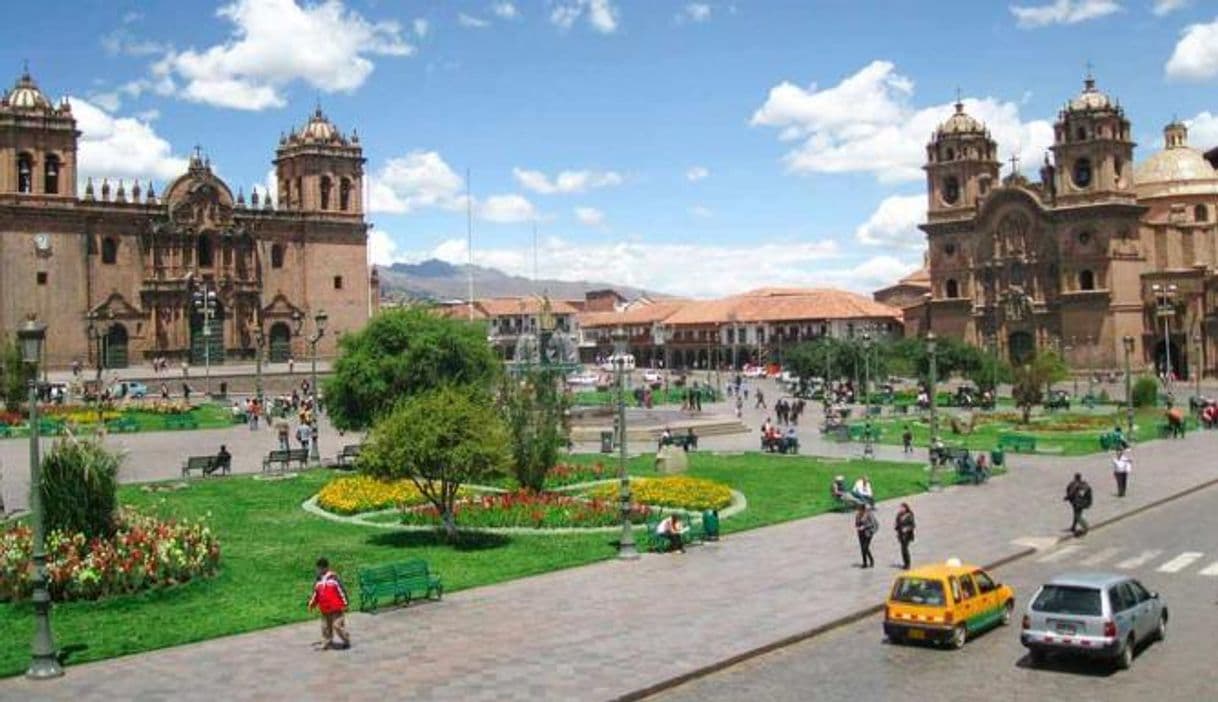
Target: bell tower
(37, 143)
(1092, 150)
(961, 166)
(319, 169)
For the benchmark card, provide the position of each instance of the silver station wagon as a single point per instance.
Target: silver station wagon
(1098, 615)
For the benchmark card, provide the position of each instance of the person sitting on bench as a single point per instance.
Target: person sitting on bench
(790, 442)
(862, 491)
(691, 439)
(222, 462)
(839, 492)
(670, 528)
(666, 437)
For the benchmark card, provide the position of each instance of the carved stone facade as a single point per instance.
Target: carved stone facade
(1071, 262)
(134, 262)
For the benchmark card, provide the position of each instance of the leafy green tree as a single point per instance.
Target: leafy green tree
(986, 369)
(15, 374)
(401, 353)
(439, 438)
(80, 487)
(1033, 378)
(1145, 392)
(534, 409)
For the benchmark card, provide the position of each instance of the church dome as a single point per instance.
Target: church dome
(319, 128)
(1177, 168)
(1091, 98)
(25, 95)
(961, 123)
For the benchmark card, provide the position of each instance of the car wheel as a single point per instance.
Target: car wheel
(1161, 631)
(959, 636)
(1125, 657)
(1036, 656)
(1007, 609)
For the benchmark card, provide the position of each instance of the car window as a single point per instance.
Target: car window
(1129, 595)
(984, 582)
(1139, 592)
(918, 591)
(1065, 599)
(967, 589)
(1118, 597)
(955, 585)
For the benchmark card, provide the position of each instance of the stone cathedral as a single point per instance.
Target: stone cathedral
(117, 273)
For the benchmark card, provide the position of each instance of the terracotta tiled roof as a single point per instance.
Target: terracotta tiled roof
(459, 310)
(507, 306)
(643, 314)
(783, 304)
(918, 277)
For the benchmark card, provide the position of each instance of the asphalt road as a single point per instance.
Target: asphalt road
(1171, 549)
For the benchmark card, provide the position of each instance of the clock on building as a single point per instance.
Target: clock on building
(42, 244)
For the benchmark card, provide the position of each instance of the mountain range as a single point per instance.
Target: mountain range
(438, 280)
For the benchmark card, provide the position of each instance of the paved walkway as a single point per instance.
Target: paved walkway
(608, 630)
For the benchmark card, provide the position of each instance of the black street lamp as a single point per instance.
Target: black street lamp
(933, 482)
(1165, 309)
(44, 663)
(626, 550)
(868, 448)
(1197, 366)
(319, 330)
(1127, 341)
(259, 343)
(204, 299)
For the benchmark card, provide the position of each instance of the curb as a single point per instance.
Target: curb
(865, 612)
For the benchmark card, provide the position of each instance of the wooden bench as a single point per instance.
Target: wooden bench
(284, 458)
(206, 465)
(1018, 443)
(399, 581)
(693, 532)
(684, 441)
(781, 444)
(50, 427)
(967, 469)
(875, 411)
(347, 456)
(122, 425)
(180, 421)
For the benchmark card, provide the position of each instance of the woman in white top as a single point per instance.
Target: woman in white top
(1122, 466)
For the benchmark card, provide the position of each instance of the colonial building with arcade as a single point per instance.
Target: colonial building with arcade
(120, 271)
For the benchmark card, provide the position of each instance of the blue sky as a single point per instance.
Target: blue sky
(697, 148)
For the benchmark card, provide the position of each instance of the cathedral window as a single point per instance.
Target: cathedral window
(277, 256)
(25, 174)
(41, 277)
(338, 282)
(50, 175)
(203, 253)
(951, 190)
(1082, 173)
(951, 154)
(1084, 238)
(326, 186)
(1201, 213)
(109, 252)
(299, 192)
(1086, 280)
(1081, 134)
(951, 288)
(285, 192)
(344, 194)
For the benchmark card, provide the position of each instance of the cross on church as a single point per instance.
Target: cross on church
(1014, 163)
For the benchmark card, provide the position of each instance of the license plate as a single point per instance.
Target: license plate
(917, 634)
(1063, 628)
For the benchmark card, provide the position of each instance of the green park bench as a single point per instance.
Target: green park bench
(206, 465)
(280, 460)
(5, 431)
(181, 421)
(50, 427)
(1018, 443)
(122, 425)
(875, 411)
(1111, 440)
(347, 456)
(398, 581)
(858, 432)
(695, 532)
(901, 408)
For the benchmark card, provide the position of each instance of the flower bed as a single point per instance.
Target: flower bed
(144, 553)
(544, 510)
(360, 493)
(677, 491)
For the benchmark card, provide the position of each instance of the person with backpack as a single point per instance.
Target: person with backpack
(865, 524)
(1078, 494)
(330, 599)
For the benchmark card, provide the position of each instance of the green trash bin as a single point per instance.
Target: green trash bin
(606, 442)
(710, 524)
(997, 457)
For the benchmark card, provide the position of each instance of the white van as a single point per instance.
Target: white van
(610, 363)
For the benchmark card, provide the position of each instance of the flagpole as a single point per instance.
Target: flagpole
(469, 243)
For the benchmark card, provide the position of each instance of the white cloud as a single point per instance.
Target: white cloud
(1163, 8)
(590, 216)
(566, 182)
(601, 15)
(108, 101)
(382, 250)
(1203, 131)
(421, 27)
(701, 212)
(867, 123)
(694, 12)
(121, 147)
(1196, 54)
(420, 179)
(122, 42)
(472, 22)
(276, 42)
(506, 209)
(1063, 12)
(894, 224)
(696, 173)
(505, 10)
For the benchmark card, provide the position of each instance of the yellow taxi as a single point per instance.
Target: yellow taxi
(945, 603)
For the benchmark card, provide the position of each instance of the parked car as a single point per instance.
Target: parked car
(754, 371)
(653, 377)
(945, 603)
(133, 389)
(583, 378)
(610, 364)
(1058, 399)
(1097, 615)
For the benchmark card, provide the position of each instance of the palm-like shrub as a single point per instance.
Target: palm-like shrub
(79, 488)
(1145, 392)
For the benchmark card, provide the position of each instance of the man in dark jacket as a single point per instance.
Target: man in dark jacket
(1078, 494)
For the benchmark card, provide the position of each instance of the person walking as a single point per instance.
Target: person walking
(1078, 494)
(304, 435)
(865, 525)
(1122, 466)
(907, 440)
(739, 406)
(905, 532)
(282, 432)
(330, 599)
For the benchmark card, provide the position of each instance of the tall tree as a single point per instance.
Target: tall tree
(441, 439)
(401, 353)
(1034, 377)
(534, 409)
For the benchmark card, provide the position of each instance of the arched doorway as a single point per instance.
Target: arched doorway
(281, 342)
(1021, 347)
(1179, 358)
(207, 348)
(116, 346)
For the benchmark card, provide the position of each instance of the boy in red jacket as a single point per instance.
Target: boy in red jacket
(330, 599)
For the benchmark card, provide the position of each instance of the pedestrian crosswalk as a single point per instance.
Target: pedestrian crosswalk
(1184, 562)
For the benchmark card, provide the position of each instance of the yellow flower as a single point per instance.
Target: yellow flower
(677, 491)
(360, 493)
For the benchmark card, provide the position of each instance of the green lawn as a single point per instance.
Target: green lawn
(672, 396)
(269, 545)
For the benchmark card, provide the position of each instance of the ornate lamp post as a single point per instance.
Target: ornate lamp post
(934, 417)
(1165, 309)
(1197, 366)
(868, 448)
(44, 663)
(1070, 349)
(259, 343)
(319, 330)
(1128, 343)
(625, 547)
(94, 329)
(204, 298)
